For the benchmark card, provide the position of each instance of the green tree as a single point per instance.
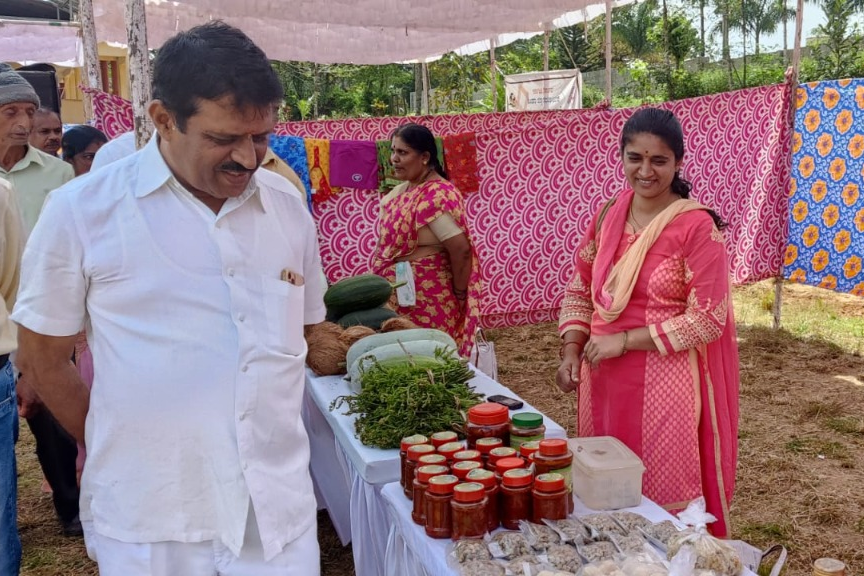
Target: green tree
(630, 27)
(580, 46)
(683, 39)
(838, 44)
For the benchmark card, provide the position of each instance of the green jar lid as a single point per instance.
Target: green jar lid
(527, 420)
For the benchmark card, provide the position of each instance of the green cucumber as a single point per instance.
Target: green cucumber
(357, 293)
(373, 318)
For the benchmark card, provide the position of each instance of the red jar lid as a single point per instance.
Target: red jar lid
(469, 492)
(450, 448)
(554, 447)
(414, 452)
(551, 482)
(485, 477)
(461, 469)
(440, 438)
(517, 478)
(432, 458)
(484, 445)
(424, 473)
(442, 484)
(488, 413)
(528, 448)
(411, 441)
(505, 464)
(501, 452)
(468, 455)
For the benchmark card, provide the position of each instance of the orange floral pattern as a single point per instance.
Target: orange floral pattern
(828, 282)
(818, 190)
(799, 211)
(856, 146)
(810, 236)
(859, 97)
(852, 267)
(798, 276)
(791, 255)
(825, 144)
(830, 215)
(806, 166)
(858, 290)
(850, 194)
(843, 121)
(837, 169)
(812, 120)
(842, 241)
(830, 98)
(819, 260)
(793, 187)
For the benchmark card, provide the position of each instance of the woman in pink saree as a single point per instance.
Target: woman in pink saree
(424, 240)
(648, 334)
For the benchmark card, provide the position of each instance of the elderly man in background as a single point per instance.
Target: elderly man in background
(33, 174)
(47, 131)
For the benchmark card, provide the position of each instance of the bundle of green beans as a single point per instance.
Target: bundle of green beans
(411, 396)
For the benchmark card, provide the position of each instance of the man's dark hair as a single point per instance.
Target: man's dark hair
(209, 62)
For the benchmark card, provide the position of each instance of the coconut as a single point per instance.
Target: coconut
(398, 323)
(326, 356)
(354, 333)
(331, 329)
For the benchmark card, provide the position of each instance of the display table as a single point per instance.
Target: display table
(410, 552)
(349, 476)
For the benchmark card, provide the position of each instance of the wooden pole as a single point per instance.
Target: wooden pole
(424, 104)
(139, 68)
(494, 75)
(609, 51)
(546, 51)
(91, 50)
(799, 25)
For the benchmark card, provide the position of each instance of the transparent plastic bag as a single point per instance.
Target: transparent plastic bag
(539, 536)
(694, 549)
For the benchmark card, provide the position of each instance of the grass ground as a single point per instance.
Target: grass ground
(801, 441)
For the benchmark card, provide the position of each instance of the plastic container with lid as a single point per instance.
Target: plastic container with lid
(515, 504)
(505, 464)
(554, 456)
(465, 455)
(497, 454)
(439, 492)
(461, 469)
(407, 442)
(829, 567)
(414, 454)
(526, 427)
(421, 482)
(607, 475)
(487, 478)
(468, 511)
(444, 437)
(528, 449)
(484, 445)
(488, 420)
(449, 449)
(549, 498)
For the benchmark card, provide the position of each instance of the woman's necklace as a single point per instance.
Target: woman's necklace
(412, 186)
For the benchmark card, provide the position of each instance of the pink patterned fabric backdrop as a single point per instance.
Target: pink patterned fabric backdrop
(544, 174)
(111, 114)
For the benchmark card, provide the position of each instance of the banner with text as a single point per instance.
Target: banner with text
(553, 90)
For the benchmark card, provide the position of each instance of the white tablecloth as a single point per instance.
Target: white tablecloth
(410, 552)
(349, 476)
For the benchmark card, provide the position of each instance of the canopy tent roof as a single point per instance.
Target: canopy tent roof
(357, 31)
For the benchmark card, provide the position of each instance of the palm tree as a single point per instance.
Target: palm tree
(757, 16)
(630, 26)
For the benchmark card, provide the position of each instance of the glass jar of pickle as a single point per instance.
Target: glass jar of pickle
(555, 456)
(526, 427)
(468, 511)
(433, 458)
(490, 483)
(488, 420)
(438, 494)
(505, 464)
(414, 454)
(406, 443)
(421, 482)
(528, 449)
(450, 449)
(516, 497)
(549, 498)
(484, 445)
(464, 455)
(497, 454)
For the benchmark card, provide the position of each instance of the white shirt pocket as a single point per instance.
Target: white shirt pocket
(283, 306)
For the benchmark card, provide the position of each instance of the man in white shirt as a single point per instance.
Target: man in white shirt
(176, 259)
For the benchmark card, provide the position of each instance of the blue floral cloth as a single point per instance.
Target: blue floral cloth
(826, 224)
(292, 150)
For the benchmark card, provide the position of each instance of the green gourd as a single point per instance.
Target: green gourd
(373, 318)
(357, 293)
(369, 343)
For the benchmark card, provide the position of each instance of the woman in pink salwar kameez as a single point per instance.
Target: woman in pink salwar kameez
(423, 229)
(648, 335)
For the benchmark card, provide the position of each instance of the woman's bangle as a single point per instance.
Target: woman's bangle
(564, 345)
(624, 344)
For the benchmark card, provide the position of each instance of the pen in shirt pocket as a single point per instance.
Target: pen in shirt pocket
(292, 277)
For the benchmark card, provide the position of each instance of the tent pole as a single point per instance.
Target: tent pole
(778, 300)
(799, 25)
(608, 51)
(546, 51)
(92, 71)
(139, 68)
(493, 75)
(424, 104)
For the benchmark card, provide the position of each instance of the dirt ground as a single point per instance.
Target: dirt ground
(800, 480)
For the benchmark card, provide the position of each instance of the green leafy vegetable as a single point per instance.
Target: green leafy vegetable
(413, 396)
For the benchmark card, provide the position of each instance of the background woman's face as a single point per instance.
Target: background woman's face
(82, 161)
(408, 164)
